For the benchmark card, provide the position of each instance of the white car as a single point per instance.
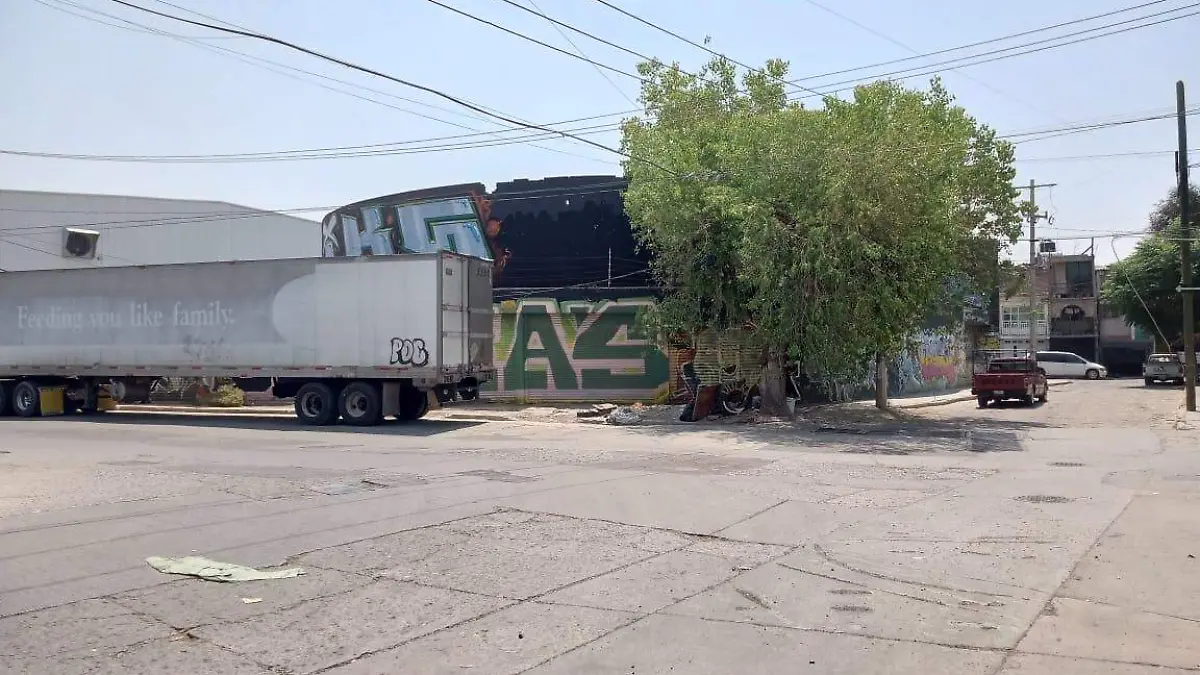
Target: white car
(1066, 364)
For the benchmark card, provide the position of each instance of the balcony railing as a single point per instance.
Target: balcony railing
(1081, 289)
(1084, 326)
(1020, 328)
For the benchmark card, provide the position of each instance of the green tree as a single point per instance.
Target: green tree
(1141, 287)
(832, 232)
(1166, 211)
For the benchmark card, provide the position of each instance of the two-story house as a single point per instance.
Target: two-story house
(1064, 308)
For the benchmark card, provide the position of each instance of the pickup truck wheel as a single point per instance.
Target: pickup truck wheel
(1045, 395)
(316, 405)
(1149, 381)
(26, 399)
(361, 404)
(983, 401)
(5, 399)
(1027, 400)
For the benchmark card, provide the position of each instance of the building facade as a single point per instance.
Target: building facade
(53, 230)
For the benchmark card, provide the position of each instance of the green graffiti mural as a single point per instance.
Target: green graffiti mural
(575, 351)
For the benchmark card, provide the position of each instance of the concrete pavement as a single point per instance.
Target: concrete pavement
(1056, 539)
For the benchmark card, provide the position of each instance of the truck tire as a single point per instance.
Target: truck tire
(1045, 396)
(413, 404)
(316, 405)
(26, 399)
(5, 399)
(1149, 381)
(361, 404)
(983, 401)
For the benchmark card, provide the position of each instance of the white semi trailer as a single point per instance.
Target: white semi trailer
(359, 339)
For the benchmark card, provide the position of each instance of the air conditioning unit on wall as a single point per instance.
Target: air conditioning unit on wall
(79, 243)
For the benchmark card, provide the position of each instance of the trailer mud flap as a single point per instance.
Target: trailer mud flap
(391, 398)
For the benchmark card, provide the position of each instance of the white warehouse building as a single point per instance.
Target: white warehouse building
(55, 230)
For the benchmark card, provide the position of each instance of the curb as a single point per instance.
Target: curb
(959, 397)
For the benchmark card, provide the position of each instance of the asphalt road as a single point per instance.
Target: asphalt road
(1055, 539)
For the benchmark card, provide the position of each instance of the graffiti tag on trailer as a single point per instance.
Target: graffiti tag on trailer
(409, 352)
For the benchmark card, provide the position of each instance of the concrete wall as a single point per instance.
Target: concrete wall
(142, 230)
(575, 350)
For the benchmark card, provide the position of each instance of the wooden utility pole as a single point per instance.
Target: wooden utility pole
(1185, 249)
(1031, 279)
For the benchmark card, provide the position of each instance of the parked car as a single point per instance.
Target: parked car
(1066, 364)
(1163, 367)
(1010, 378)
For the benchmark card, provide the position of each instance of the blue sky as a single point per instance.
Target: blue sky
(82, 87)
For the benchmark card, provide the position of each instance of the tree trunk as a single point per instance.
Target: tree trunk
(881, 381)
(774, 389)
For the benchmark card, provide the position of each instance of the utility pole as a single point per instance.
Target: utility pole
(1185, 249)
(1031, 280)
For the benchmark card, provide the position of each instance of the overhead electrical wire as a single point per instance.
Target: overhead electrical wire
(536, 41)
(429, 145)
(558, 29)
(888, 38)
(981, 43)
(392, 78)
(273, 66)
(1002, 54)
(612, 126)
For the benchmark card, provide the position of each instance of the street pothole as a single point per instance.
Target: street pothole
(1071, 465)
(332, 489)
(1044, 499)
(852, 609)
(501, 476)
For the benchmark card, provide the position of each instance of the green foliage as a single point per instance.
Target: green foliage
(830, 232)
(226, 396)
(1142, 285)
(1166, 211)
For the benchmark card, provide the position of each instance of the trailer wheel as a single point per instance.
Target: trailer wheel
(361, 404)
(315, 404)
(26, 399)
(5, 399)
(413, 405)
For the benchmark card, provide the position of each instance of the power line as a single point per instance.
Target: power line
(894, 41)
(536, 41)
(532, 137)
(1002, 54)
(266, 64)
(556, 23)
(370, 71)
(429, 145)
(697, 45)
(989, 41)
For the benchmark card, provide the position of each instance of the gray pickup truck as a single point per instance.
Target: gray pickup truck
(1163, 368)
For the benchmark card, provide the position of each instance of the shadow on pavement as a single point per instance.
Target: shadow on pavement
(425, 427)
(864, 430)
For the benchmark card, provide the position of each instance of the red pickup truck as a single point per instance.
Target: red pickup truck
(1010, 378)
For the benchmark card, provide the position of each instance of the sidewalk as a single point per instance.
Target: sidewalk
(541, 412)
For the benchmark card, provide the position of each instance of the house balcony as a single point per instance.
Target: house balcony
(1019, 330)
(1081, 327)
(1082, 289)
